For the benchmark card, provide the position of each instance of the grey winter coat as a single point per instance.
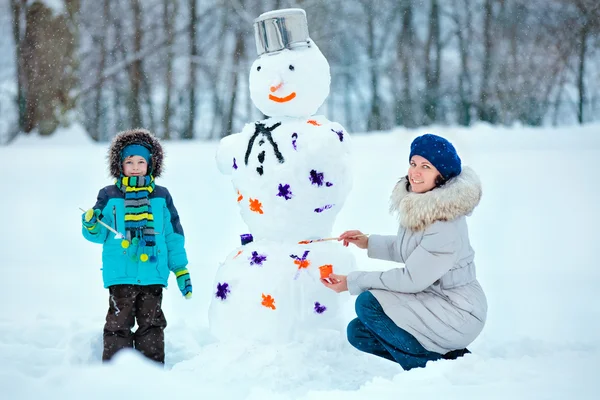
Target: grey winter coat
(436, 296)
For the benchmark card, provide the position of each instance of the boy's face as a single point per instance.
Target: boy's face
(135, 166)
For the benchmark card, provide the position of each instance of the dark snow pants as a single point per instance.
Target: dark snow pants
(128, 303)
(374, 332)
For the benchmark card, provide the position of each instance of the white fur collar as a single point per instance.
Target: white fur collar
(458, 197)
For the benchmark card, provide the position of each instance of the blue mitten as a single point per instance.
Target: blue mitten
(184, 282)
(89, 219)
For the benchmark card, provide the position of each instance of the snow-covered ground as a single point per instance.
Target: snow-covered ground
(534, 233)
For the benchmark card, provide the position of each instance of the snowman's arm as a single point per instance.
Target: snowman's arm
(233, 147)
(226, 153)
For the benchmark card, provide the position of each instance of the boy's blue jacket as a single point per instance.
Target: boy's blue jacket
(123, 266)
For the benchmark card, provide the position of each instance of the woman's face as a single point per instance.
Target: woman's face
(421, 174)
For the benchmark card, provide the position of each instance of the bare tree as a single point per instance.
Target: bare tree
(18, 10)
(135, 70)
(99, 103)
(188, 133)
(485, 111)
(405, 50)
(433, 57)
(169, 12)
(462, 16)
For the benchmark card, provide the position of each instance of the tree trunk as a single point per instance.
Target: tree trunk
(581, 74)
(121, 99)
(485, 113)
(96, 134)
(432, 65)
(48, 48)
(135, 71)
(168, 16)
(374, 122)
(189, 131)
(218, 102)
(238, 55)
(18, 11)
(464, 34)
(405, 52)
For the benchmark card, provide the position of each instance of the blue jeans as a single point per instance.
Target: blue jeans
(375, 333)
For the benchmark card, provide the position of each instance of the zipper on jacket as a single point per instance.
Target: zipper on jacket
(115, 217)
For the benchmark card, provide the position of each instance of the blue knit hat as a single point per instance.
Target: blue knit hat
(439, 152)
(136, 150)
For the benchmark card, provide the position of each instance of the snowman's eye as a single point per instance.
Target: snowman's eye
(258, 68)
(291, 67)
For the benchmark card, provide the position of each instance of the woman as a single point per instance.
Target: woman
(433, 307)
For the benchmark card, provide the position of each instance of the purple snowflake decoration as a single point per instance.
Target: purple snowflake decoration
(316, 178)
(223, 290)
(234, 163)
(295, 257)
(325, 207)
(257, 258)
(284, 191)
(328, 184)
(294, 137)
(319, 308)
(340, 134)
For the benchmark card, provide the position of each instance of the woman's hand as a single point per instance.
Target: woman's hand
(337, 283)
(355, 237)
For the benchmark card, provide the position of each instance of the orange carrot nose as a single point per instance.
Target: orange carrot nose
(274, 88)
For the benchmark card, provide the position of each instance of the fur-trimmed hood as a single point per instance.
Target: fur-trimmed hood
(135, 136)
(458, 197)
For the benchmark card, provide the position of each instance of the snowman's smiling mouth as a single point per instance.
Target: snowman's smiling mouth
(282, 99)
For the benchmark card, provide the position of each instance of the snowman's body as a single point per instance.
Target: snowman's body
(291, 176)
(287, 187)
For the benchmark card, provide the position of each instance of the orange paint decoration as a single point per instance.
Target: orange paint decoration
(256, 206)
(268, 301)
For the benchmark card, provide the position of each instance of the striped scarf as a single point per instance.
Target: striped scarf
(139, 221)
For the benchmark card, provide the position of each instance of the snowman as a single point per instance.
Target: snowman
(291, 175)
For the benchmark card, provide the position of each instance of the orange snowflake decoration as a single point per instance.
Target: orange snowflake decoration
(302, 263)
(256, 206)
(268, 301)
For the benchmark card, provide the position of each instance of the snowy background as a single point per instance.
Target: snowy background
(534, 234)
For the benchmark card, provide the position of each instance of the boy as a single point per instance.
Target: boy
(136, 267)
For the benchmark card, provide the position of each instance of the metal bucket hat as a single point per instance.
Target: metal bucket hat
(281, 29)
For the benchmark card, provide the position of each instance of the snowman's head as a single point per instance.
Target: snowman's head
(291, 83)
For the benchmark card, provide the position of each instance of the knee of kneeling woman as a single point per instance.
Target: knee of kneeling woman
(366, 305)
(353, 332)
